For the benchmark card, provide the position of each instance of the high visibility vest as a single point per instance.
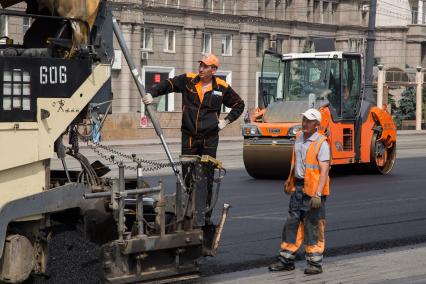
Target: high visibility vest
(312, 170)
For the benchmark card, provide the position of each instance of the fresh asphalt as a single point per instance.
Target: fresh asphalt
(364, 212)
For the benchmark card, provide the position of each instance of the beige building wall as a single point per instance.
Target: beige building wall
(255, 25)
(391, 47)
(394, 13)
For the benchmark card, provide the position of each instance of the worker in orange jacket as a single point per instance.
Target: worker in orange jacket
(203, 95)
(308, 187)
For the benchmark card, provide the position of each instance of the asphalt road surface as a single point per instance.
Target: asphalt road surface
(364, 212)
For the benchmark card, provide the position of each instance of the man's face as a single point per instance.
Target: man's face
(206, 71)
(309, 126)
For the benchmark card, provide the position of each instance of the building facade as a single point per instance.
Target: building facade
(167, 38)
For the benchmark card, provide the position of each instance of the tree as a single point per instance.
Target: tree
(407, 105)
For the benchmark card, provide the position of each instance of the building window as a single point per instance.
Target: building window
(279, 46)
(152, 76)
(147, 38)
(334, 7)
(3, 27)
(26, 24)
(260, 8)
(414, 15)
(260, 43)
(208, 5)
(172, 3)
(227, 45)
(207, 43)
(222, 6)
(317, 12)
(16, 90)
(325, 12)
(169, 41)
(226, 76)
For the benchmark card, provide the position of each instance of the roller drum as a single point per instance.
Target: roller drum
(267, 158)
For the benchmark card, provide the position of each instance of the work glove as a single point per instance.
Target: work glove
(315, 202)
(223, 123)
(287, 189)
(147, 99)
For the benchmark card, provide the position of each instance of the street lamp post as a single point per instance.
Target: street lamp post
(380, 83)
(419, 91)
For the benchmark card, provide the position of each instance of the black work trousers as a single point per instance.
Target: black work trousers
(200, 145)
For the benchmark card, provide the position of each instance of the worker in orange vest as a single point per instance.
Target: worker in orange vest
(308, 187)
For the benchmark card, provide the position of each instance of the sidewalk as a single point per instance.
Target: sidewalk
(174, 141)
(398, 265)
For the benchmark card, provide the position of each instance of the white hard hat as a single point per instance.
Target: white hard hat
(312, 114)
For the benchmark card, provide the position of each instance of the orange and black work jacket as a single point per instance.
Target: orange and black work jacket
(200, 114)
(312, 170)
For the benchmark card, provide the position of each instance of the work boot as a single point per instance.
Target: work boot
(312, 269)
(281, 265)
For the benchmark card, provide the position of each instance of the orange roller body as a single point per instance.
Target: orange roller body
(358, 131)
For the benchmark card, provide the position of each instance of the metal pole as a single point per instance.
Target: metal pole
(369, 56)
(139, 201)
(179, 206)
(142, 92)
(122, 186)
(419, 91)
(380, 83)
(124, 194)
(368, 97)
(160, 210)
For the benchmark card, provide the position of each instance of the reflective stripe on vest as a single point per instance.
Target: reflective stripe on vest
(311, 166)
(312, 169)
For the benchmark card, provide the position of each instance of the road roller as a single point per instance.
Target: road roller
(358, 131)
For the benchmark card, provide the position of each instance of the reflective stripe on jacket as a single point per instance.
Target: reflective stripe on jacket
(200, 113)
(312, 170)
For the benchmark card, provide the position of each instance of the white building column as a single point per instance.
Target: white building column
(188, 57)
(244, 65)
(135, 45)
(420, 12)
(126, 82)
(380, 84)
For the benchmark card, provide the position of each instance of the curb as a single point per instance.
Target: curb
(410, 132)
(136, 143)
(176, 141)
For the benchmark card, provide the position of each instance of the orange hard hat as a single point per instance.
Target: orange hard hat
(210, 59)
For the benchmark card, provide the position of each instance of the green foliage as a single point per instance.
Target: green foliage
(407, 105)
